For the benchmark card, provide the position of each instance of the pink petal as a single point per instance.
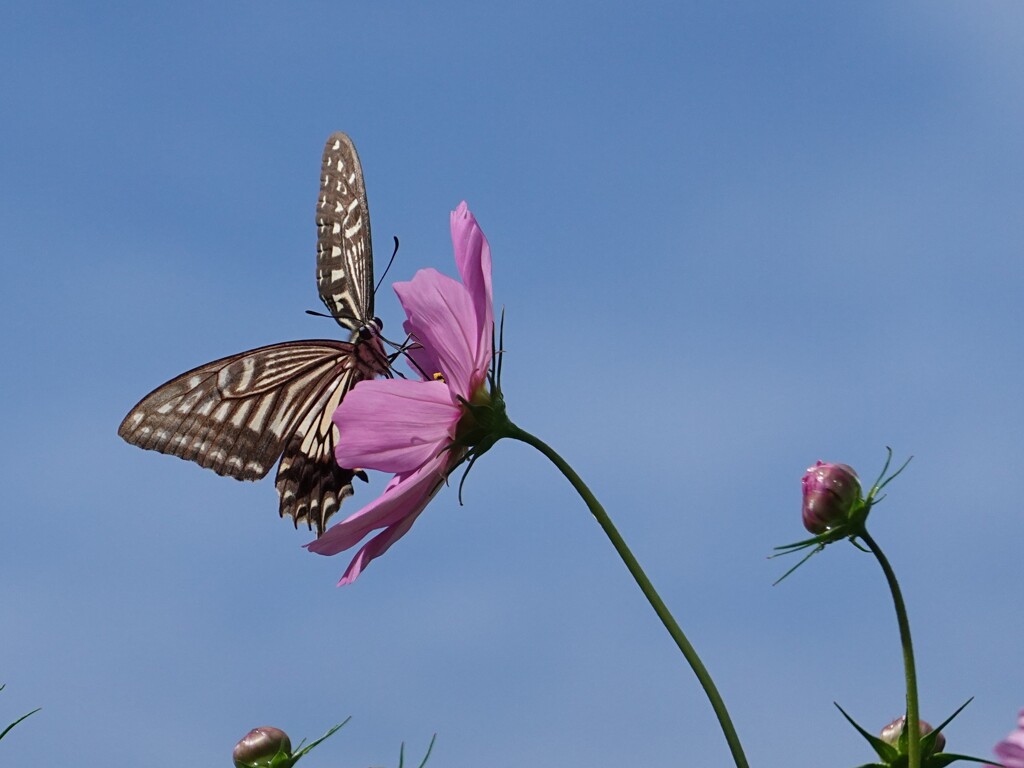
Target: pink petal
(407, 427)
(405, 495)
(1010, 755)
(442, 317)
(394, 425)
(377, 546)
(473, 258)
(423, 360)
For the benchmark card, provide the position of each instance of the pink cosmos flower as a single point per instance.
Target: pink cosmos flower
(1010, 750)
(409, 427)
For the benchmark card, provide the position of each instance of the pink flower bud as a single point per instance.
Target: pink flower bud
(830, 493)
(260, 746)
(891, 733)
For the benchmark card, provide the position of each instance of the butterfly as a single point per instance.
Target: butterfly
(240, 414)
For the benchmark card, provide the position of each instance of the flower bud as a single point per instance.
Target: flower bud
(891, 733)
(260, 746)
(830, 493)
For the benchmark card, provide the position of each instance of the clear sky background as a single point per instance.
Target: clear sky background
(731, 239)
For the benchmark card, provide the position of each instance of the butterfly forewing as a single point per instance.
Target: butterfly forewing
(240, 414)
(344, 258)
(235, 415)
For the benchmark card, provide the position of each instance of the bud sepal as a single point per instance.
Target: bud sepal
(8, 729)
(892, 748)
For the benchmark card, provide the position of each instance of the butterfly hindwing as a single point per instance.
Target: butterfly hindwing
(309, 481)
(344, 252)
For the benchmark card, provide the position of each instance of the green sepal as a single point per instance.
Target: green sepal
(302, 751)
(7, 730)
(945, 758)
(430, 748)
(949, 719)
(800, 562)
(887, 752)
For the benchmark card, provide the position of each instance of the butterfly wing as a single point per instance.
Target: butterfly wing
(240, 414)
(237, 415)
(309, 481)
(344, 252)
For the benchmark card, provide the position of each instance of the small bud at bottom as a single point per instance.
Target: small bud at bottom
(891, 733)
(259, 747)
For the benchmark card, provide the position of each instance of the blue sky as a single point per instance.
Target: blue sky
(730, 238)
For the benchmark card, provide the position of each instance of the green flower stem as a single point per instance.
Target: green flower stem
(913, 714)
(647, 588)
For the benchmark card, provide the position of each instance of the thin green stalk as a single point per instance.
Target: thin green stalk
(647, 588)
(913, 714)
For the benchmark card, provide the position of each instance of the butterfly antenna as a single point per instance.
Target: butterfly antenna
(412, 361)
(399, 351)
(388, 267)
(336, 318)
(398, 347)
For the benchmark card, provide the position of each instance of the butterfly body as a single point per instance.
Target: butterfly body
(240, 414)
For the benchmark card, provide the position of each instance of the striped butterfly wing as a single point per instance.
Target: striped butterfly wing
(237, 415)
(344, 254)
(309, 481)
(240, 414)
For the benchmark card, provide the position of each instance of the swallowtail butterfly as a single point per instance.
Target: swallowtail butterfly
(239, 414)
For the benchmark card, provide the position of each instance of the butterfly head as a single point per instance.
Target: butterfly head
(369, 329)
